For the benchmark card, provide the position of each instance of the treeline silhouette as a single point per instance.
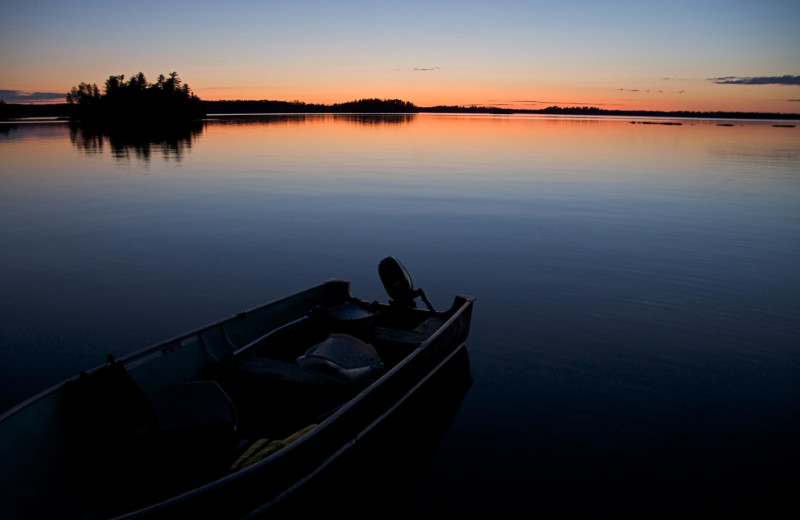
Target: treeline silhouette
(19, 110)
(663, 113)
(596, 111)
(472, 109)
(371, 105)
(135, 101)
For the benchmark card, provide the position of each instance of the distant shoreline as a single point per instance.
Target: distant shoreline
(11, 111)
(592, 111)
(283, 107)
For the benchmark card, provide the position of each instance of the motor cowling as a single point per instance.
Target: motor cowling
(398, 284)
(396, 281)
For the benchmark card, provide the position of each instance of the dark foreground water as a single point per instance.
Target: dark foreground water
(636, 340)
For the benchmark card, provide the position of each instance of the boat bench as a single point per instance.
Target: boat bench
(415, 336)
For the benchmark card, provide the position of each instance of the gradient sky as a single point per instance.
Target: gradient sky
(526, 54)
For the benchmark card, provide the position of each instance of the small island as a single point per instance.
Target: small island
(135, 101)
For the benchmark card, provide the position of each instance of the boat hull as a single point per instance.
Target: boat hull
(39, 467)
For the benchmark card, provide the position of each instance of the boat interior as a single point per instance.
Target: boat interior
(240, 407)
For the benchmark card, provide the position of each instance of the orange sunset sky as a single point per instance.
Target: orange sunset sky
(699, 55)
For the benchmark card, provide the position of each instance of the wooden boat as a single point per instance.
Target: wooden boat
(229, 419)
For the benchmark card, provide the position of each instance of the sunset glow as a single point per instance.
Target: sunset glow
(621, 55)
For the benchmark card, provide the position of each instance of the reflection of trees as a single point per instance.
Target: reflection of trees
(262, 119)
(173, 140)
(298, 119)
(377, 119)
(141, 142)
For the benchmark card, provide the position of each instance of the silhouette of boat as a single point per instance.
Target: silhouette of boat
(230, 419)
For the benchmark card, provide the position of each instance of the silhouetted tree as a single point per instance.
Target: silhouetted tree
(173, 83)
(137, 83)
(84, 94)
(114, 83)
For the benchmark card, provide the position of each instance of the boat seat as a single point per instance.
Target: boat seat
(273, 396)
(344, 357)
(339, 359)
(264, 367)
(271, 393)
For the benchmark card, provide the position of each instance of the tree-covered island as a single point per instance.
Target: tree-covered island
(135, 101)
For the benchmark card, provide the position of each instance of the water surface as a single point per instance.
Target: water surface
(636, 334)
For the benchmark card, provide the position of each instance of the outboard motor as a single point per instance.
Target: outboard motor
(398, 285)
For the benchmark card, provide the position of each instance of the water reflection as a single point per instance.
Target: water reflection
(172, 141)
(299, 119)
(39, 129)
(261, 119)
(377, 119)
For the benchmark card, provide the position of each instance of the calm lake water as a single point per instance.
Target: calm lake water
(636, 339)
